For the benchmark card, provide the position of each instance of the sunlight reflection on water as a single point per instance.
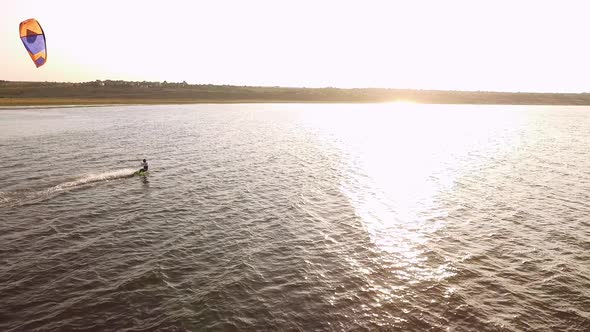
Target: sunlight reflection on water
(401, 158)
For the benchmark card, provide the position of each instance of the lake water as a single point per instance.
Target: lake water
(295, 217)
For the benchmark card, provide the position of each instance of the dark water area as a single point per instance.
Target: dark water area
(386, 217)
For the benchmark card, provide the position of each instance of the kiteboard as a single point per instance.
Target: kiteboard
(141, 172)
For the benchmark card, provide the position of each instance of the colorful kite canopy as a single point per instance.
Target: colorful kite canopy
(34, 40)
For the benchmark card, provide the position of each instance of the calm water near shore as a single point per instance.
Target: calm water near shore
(295, 217)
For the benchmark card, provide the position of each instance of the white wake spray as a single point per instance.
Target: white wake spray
(27, 196)
(91, 178)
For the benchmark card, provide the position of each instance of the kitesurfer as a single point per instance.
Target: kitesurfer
(144, 166)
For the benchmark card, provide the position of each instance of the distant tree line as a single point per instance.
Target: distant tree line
(143, 84)
(105, 91)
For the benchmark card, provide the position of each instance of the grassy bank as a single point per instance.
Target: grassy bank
(121, 92)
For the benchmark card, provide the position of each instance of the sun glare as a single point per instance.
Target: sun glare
(401, 102)
(402, 157)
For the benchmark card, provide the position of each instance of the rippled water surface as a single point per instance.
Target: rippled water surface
(295, 217)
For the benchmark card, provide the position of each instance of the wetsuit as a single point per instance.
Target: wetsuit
(144, 166)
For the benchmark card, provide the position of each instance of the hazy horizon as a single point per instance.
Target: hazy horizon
(457, 46)
(298, 87)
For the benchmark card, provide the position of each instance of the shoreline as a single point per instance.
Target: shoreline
(75, 102)
(102, 102)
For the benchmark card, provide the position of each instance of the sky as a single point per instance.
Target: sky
(539, 46)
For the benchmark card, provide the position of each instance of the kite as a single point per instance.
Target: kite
(33, 38)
